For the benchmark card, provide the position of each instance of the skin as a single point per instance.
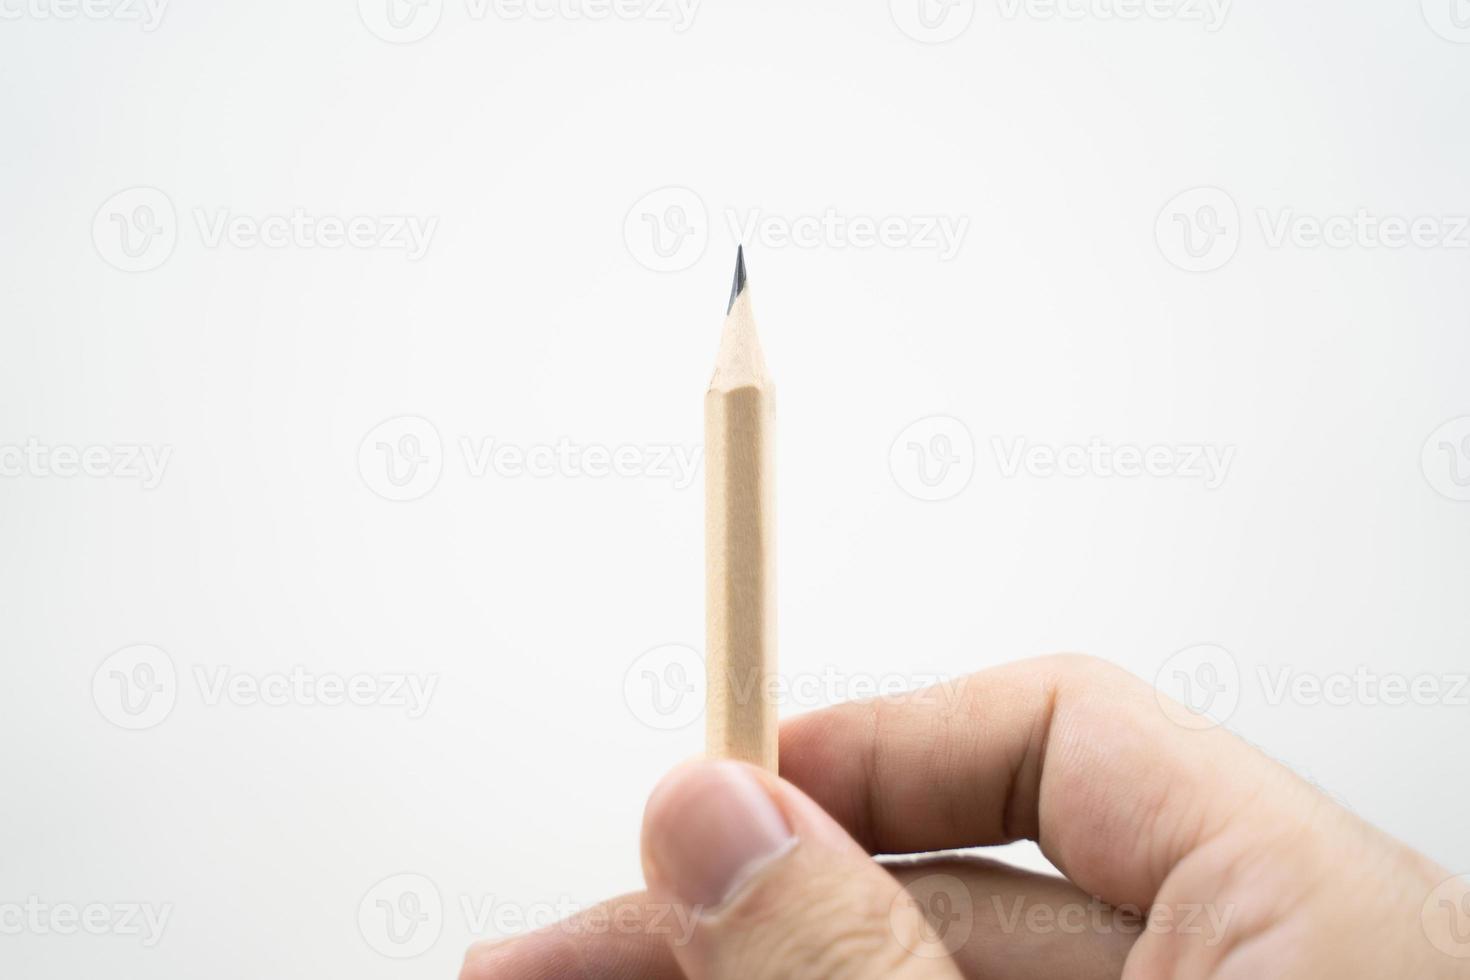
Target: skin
(1243, 870)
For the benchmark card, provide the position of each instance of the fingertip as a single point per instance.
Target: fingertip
(706, 826)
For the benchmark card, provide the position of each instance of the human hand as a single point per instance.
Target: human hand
(1187, 854)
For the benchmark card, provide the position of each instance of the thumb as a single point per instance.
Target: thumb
(774, 887)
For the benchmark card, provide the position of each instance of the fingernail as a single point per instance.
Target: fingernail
(711, 828)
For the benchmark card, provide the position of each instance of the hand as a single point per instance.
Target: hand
(1241, 869)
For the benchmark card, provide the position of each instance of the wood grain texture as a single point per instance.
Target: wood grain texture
(740, 560)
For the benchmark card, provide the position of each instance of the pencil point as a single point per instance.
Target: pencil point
(740, 363)
(739, 286)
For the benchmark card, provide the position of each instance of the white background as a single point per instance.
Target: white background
(533, 317)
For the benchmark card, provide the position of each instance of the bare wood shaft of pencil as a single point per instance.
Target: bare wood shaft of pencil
(739, 434)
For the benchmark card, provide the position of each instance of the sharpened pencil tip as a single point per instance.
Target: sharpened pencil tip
(739, 286)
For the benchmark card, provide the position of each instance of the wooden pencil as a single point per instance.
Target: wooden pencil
(740, 566)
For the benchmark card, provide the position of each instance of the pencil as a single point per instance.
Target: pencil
(740, 566)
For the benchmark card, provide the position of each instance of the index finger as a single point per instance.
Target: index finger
(1068, 751)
